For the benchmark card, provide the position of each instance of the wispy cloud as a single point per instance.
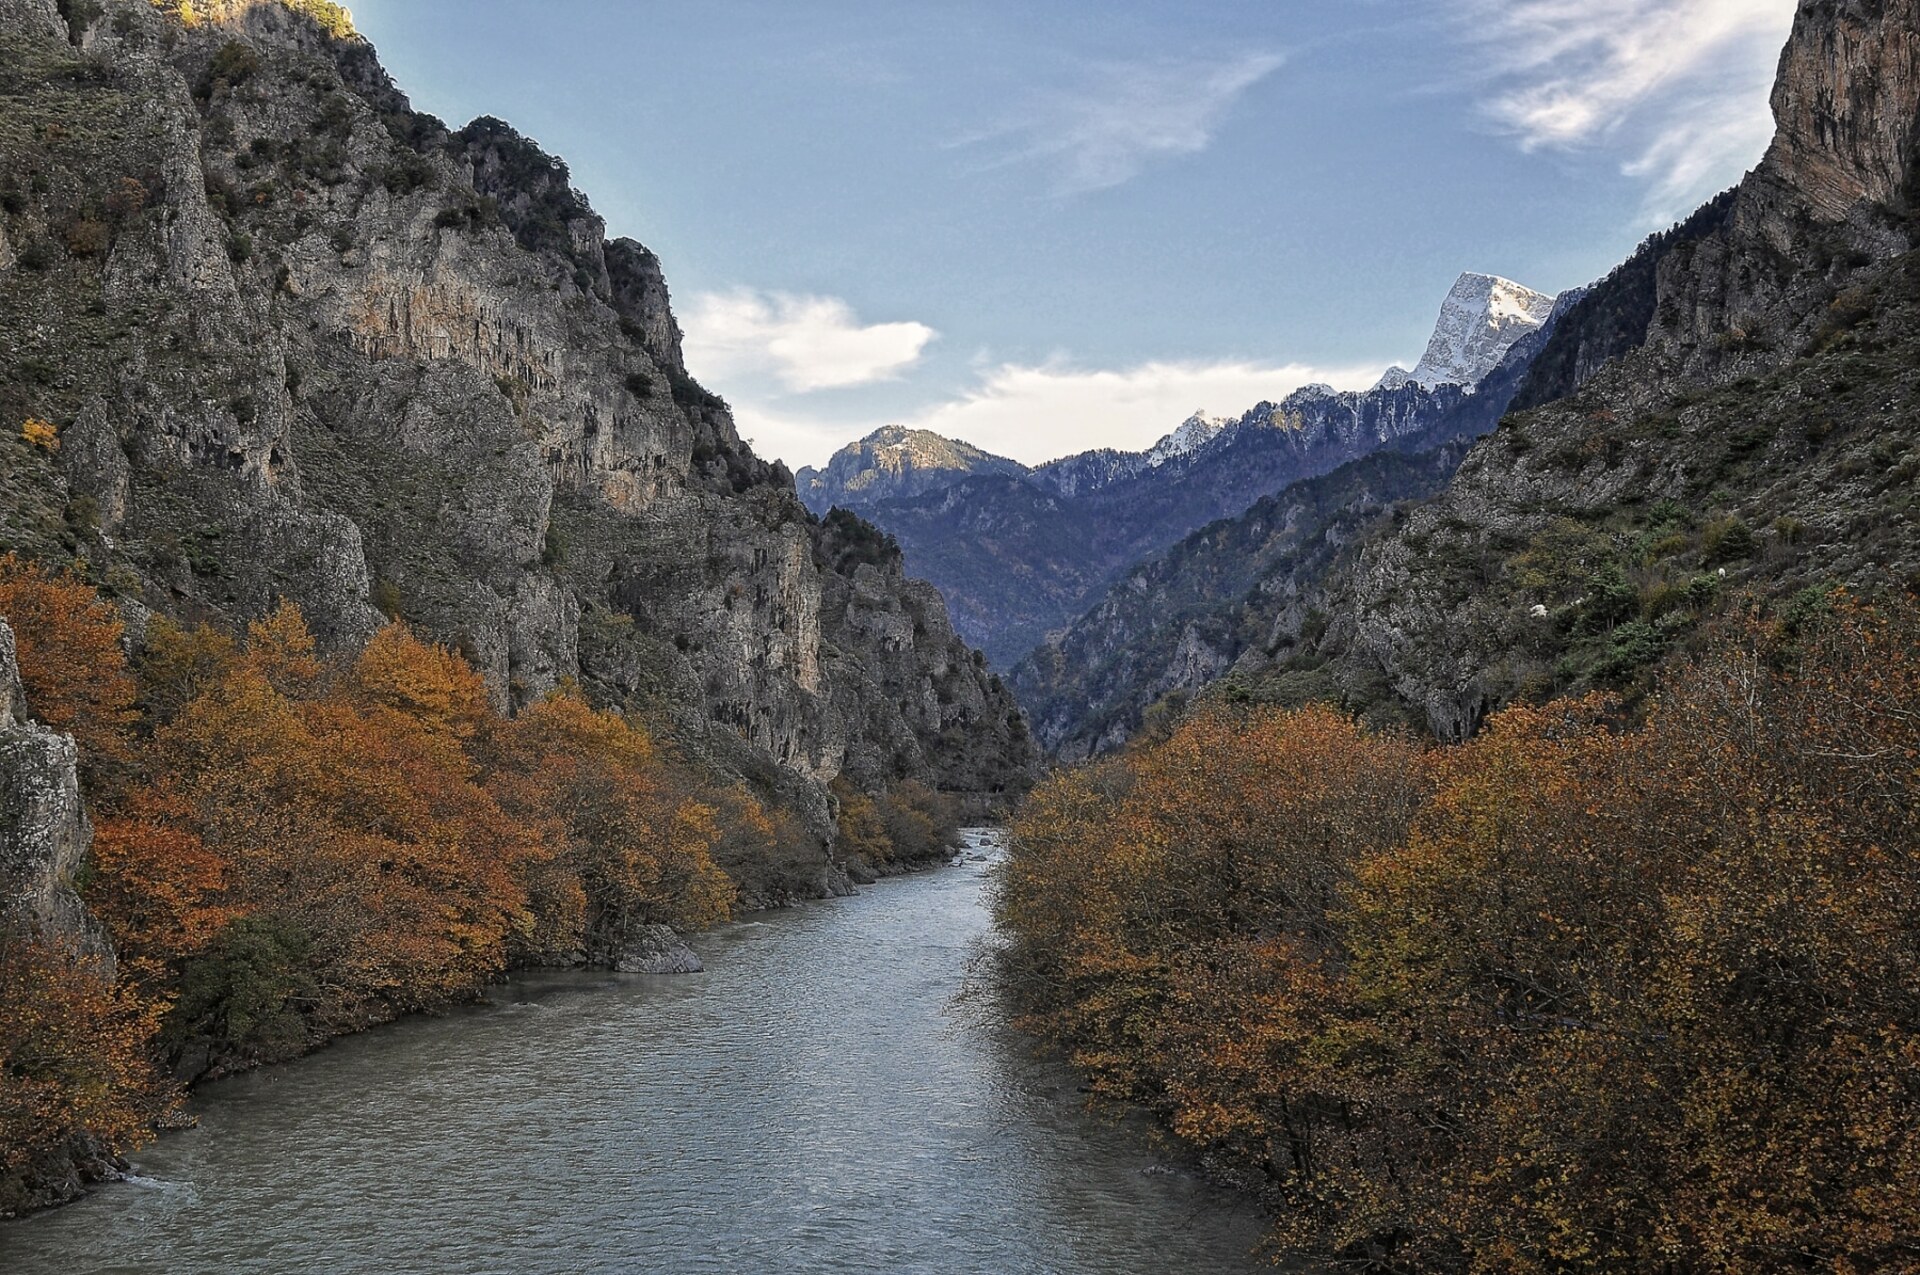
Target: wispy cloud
(1037, 412)
(1679, 85)
(1123, 117)
(803, 343)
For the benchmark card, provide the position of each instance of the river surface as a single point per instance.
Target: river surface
(824, 1098)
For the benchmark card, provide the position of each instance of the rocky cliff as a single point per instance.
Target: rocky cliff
(302, 341)
(44, 839)
(44, 833)
(1731, 415)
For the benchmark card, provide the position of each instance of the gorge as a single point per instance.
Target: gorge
(1459, 822)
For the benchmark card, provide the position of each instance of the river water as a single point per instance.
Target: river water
(824, 1098)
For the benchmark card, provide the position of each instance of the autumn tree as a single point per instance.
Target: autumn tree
(75, 1058)
(72, 666)
(177, 664)
(593, 784)
(1582, 994)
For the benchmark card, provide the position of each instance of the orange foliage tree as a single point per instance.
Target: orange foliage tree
(634, 847)
(75, 1058)
(1597, 999)
(302, 844)
(71, 663)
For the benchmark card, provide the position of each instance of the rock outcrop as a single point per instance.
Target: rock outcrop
(44, 839)
(306, 342)
(44, 833)
(656, 949)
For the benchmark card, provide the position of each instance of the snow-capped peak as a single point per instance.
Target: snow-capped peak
(1194, 433)
(1479, 321)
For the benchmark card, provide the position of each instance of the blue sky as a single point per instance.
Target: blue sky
(1044, 227)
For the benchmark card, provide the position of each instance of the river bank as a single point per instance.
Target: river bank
(820, 1100)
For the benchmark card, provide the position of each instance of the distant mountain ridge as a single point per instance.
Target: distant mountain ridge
(1178, 621)
(1020, 551)
(895, 461)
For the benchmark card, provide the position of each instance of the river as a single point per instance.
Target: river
(824, 1098)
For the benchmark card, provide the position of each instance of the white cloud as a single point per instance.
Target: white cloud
(1680, 85)
(804, 343)
(1123, 117)
(1037, 413)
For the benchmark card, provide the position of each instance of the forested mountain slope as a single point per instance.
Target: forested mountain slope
(1731, 414)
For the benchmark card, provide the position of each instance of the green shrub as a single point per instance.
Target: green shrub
(233, 65)
(386, 598)
(238, 997)
(1726, 539)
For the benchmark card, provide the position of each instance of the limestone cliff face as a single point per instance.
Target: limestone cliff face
(1845, 149)
(305, 342)
(44, 839)
(1833, 196)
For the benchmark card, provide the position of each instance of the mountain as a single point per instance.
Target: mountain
(1176, 622)
(892, 462)
(1480, 320)
(302, 341)
(1730, 419)
(1019, 553)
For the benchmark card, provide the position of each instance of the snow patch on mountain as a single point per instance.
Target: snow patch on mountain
(1193, 434)
(1479, 322)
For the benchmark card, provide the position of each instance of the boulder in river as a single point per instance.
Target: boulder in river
(656, 949)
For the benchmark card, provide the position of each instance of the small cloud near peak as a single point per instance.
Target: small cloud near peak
(804, 343)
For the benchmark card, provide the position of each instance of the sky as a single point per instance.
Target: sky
(1044, 227)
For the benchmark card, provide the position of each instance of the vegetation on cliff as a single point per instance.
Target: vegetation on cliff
(1571, 996)
(290, 845)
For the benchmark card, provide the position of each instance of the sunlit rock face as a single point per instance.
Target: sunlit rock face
(1480, 320)
(331, 350)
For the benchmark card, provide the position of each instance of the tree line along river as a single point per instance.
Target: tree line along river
(825, 1098)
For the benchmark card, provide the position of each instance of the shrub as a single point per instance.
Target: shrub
(1726, 539)
(233, 64)
(41, 434)
(86, 237)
